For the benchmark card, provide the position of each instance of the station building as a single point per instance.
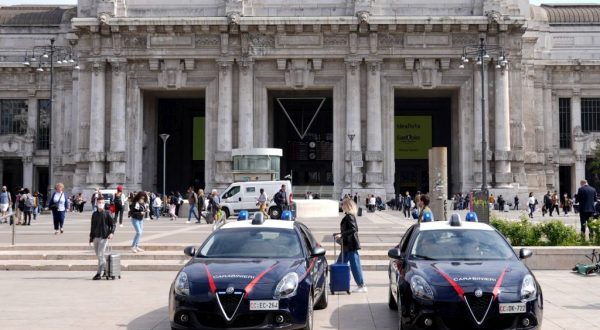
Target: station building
(220, 76)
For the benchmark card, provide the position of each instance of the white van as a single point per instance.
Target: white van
(243, 195)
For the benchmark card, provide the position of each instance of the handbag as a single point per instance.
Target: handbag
(54, 205)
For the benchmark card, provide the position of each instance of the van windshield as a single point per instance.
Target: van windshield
(232, 192)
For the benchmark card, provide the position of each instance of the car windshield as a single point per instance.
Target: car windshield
(252, 243)
(461, 245)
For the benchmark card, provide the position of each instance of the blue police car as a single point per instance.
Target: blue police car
(461, 275)
(251, 274)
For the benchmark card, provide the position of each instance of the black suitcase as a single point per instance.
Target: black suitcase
(113, 265)
(359, 213)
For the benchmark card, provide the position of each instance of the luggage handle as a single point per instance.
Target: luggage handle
(341, 247)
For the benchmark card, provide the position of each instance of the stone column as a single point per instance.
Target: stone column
(353, 118)
(502, 130)
(374, 155)
(575, 112)
(224, 124)
(477, 126)
(97, 125)
(32, 117)
(28, 173)
(578, 141)
(246, 103)
(117, 123)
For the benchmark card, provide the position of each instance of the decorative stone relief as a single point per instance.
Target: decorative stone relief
(390, 40)
(299, 73)
(464, 39)
(363, 10)
(133, 41)
(335, 40)
(261, 41)
(427, 73)
(208, 41)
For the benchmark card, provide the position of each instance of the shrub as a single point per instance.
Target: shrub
(559, 234)
(594, 226)
(519, 233)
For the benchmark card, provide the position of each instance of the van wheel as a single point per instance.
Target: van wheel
(274, 213)
(226, 211)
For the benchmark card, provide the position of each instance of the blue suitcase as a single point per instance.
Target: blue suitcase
(339, 274)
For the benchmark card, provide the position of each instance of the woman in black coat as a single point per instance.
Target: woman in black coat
(351, 243)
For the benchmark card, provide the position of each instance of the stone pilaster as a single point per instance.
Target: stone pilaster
(224, 124)
(374, 154)
(95, 175)
(478, 93)
(118, 146)
(28, 172)
(575, 113)
(246, 102)
(502, 130)
(353, 118)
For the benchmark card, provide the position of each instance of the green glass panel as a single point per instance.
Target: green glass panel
(199, 138)
(412, 137)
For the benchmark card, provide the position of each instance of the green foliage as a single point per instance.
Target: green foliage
(594, 226)
(593, 164)
(559, 234)
(551, 233)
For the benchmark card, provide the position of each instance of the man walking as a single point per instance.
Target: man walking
(586, 196)
(281, 199)
(262, 202)
(407, 203)
(101, 230)
(192, 201)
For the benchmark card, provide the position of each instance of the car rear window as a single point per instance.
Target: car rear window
(252, 243)
(461, 245)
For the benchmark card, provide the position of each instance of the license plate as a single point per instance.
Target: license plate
(264, 305)
(513, 308)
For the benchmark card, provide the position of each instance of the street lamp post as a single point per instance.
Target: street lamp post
(47, 54)
(483, 52)
(164, 137)
(351, 137)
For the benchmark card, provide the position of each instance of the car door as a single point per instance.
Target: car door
(249, 196)
(319, 264)
(398, 267)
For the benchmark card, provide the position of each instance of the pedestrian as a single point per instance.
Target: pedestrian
(137, 210)
(59, 204)
(36, 205)
(95, 196)
(179, 202)
(19, 206)
(424, 207)
(372, 203)
(586, 196)
(157, 206)
(501, 203)
(262, 201)
(214, 204)
(201, 206)
(102, 229)
(5, 203)
(350, 243)
(172, 206)
(531, 202)
(28, 204)
(516, 202)
(555, 203)
(119, 202)
(192, 201)
(281, 199)
(547, 207)
(566, 204)
(407, 204)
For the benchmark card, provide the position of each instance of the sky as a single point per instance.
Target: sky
(72, 2)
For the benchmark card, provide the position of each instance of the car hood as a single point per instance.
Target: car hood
(471, 275)
(238, 272)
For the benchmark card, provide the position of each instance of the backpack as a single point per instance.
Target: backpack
(117, 199)
(278, 198)
(29, 201)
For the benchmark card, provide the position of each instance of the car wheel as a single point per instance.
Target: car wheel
(274, 213)
(392, 304)
(226, 214)
(309, 314)
(324, 299)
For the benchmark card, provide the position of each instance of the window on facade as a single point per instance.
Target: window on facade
(564, 122)
(590, 115)
(43, 125)
(13, 117)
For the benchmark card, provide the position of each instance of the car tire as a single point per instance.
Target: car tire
(310, 313)
(392, 304)
(226, 211)
(274, 213)
(324, 299)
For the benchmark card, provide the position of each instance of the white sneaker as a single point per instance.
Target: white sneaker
(121, 225)
(134, 250)
(360, 289)
(139, 249)
(188, 221)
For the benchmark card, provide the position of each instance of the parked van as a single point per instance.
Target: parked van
(243, 195)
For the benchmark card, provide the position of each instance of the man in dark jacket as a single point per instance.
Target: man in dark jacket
(586, 196)
(102, 229)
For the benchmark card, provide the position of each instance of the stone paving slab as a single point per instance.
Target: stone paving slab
(71, 301)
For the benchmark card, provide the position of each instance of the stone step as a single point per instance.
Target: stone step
(127, 265)
(148, 255)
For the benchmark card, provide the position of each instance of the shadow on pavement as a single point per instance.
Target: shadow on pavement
(363, 316)
(157, 319)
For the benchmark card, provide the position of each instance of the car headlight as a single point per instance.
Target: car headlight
(528, 288)
(420, 288)
(182, 285)
(287, 286)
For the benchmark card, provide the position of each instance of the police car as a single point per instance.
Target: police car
(252, 274)
(461, 275)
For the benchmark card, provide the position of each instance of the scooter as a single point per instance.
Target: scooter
(586, 269)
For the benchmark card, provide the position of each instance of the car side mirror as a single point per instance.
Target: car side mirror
(190, 251)
(395, 253)
(525, 253)
(318, 252)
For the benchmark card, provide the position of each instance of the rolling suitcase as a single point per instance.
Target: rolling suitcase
(113, 265)
(339, 274)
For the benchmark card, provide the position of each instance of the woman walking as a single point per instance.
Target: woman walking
(531, 203)
(138, 209)
(351, 243)
(28, 204)
(59, 204)
(119, 202)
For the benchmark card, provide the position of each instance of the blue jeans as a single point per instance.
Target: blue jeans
(193, 210)
(157, 212)
(138, 225)
(58, 218)
(355, 267)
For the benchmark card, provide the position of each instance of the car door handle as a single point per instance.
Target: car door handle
(240, 199)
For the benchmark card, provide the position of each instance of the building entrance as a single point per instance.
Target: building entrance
(183, 119)
(420, 123)
(303, 129)
(12, 174)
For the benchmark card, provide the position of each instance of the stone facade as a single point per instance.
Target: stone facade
(232, 52)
